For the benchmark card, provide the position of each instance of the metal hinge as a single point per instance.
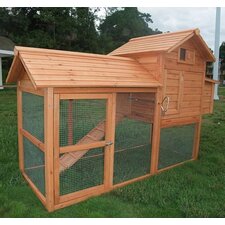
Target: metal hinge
(108, 143)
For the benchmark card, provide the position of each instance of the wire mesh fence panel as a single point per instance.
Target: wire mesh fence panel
(79, 117)
(85, 173)
(132, 140)
(34, 164)
(33, 114)
(176, 145)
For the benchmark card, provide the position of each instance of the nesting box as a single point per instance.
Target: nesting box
(89, 123)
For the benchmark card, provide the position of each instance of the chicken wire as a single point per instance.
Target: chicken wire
(176, 145)
(34, 164)
(78, 117)
(87, 172)
(132, 140)
(33, 114)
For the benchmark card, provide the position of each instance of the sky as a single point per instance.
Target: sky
(174, 19)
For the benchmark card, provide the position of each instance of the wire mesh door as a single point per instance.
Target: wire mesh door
(81, 140)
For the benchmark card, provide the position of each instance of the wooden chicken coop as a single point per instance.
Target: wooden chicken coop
(89, 123)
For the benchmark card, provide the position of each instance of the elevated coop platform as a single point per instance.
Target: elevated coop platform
(89, 123)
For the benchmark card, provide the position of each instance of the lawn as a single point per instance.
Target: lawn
(195, 189)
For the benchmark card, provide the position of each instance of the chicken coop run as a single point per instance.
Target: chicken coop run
(89, 123)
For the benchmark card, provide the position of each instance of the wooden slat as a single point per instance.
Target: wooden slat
(35, 189)
(33, 139)
(82, 193)
(84, 96)
(56, 148)
(110, 137)
(70, 90)
(197, 139)
(49, 144)
(79, 147)
(20, 125)
(156, 133)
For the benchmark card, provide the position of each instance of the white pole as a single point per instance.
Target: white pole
(216, 52)
(1, 83)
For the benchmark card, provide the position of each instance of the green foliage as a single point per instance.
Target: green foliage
(121, 25)
(195, 189)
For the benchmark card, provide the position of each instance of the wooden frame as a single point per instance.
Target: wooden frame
(88, 76)
(108, 150)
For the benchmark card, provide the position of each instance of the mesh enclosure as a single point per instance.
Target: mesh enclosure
(78, 118)
(133, 138)
(33, 114)
(176, 145)
(34, 164)
(85, 173)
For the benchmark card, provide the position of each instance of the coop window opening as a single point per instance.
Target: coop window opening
(182, 54)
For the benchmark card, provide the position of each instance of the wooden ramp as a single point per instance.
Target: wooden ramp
(96, 134)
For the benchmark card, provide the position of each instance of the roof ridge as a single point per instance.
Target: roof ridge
(163, 34)
(33, 50)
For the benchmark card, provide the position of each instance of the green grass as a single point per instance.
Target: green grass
(195, 189)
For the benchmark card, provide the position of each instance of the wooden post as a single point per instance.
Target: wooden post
(49, 142)
(110, 137)
(156, 132)
(20, 126)
(197, 139)
(56, 148)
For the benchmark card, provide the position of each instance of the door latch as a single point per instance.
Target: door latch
(109, 143)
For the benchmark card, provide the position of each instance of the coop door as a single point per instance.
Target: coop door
(134, 116)
(80, 144)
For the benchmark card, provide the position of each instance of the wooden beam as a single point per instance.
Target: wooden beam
(197, 139)
(49, 142)
(20, 125)
(80, 147)
(156, 132)
(56, 148)
(35, 189)
(70, 90)
(110, 137)
(84, 96)
(33, 139)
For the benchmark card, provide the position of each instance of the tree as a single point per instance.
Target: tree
(122, 24)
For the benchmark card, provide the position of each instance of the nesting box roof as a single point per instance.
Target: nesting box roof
(55, 68)
(165, 42)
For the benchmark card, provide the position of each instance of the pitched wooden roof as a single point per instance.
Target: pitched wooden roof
(163, 42)
(55, 68)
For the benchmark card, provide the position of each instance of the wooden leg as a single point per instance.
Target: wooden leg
(197, 139)
(20, 126)
(156, 133)
(49, 143)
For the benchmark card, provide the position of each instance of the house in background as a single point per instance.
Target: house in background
(6, 50)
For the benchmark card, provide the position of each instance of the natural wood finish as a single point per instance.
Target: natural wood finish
(56, 148)
(175, 165)
(49, 144)
(78, 194)
(156, 133)
(84, 96)
(179, 121)
(33, 139)
(197, 139)
(110, 137)
(35, 189)
(20, 125)
(70, 122)
(70, 90)
(82, 146)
